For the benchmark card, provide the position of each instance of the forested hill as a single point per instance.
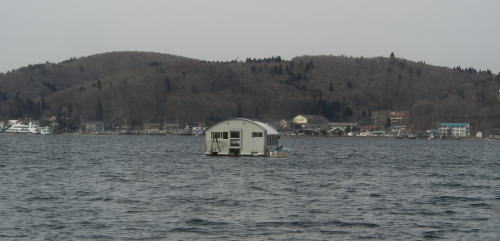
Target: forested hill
(43, 79)
(139, 87)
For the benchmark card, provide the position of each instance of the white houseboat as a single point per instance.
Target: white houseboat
(32, 128)
(242, 137)
(19, 128)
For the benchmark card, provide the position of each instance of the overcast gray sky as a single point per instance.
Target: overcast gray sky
(440, 32)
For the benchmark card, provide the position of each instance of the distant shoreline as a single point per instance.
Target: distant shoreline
(292, 136)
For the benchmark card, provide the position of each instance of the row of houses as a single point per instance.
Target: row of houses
(393, 123)
(320, 125)
(151, 128)
(396, 124)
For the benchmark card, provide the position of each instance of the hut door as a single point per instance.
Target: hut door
(234, 143)
(235, 139)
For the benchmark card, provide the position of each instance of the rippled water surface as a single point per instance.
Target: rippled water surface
(163, 188)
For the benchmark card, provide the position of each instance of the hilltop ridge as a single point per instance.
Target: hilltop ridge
(45, 78)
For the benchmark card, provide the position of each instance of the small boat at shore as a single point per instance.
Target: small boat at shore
(45, 130)
(33, 128)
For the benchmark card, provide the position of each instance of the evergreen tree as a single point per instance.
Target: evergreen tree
(70, 109)
(337, 106)
(29, 107)
(387, 124)
(37, 112)
(347, 112)
(392, 59)
(18, 108)
(168, 87)
(99, 111)
(43, 104)
(253, 69)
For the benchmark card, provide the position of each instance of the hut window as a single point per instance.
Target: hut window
(256, 134)
(220, 135)
(216, 135)
(235, 134)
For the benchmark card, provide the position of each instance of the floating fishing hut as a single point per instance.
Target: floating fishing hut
(242, 137)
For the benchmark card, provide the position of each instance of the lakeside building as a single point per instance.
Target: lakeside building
(193, 128)
(379, 118)
(432, 133)
(453, 129)
(341, 128)
(394, 122)
(12, 122)
(171, 125)
(284, 124)
(310, 122)
(241, 137)
(367, 128)
(280, 125)
(93, 126)
(151, 126)
(399, 121)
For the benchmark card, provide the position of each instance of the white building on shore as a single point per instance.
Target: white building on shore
(453, 129)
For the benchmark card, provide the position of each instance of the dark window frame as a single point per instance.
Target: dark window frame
(232, 136)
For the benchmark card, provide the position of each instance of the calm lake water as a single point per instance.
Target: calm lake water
(162, 188)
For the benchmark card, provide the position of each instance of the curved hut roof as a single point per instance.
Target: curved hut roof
(269, 130)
